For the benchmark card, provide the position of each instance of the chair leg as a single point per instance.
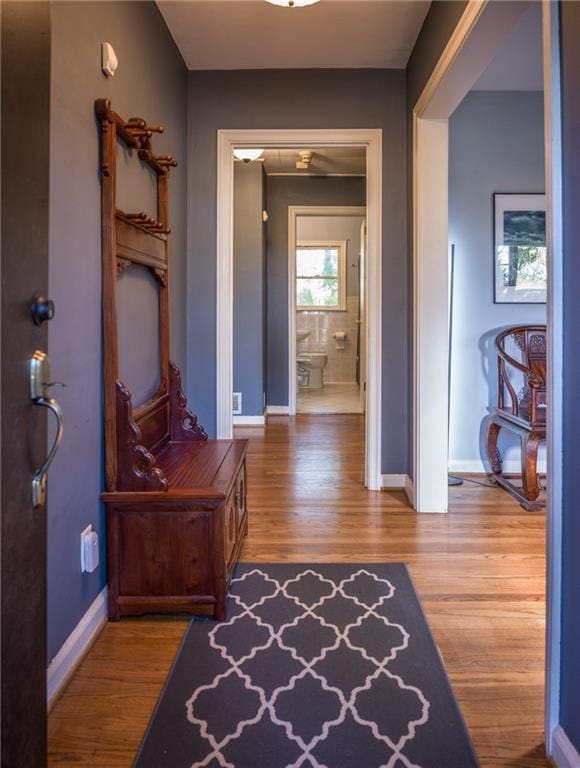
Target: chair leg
(493, 453)
(531, 486)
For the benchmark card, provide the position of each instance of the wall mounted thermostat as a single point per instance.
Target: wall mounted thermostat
(109, 61)
(89, 550)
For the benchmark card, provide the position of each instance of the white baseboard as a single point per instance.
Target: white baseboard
(75, 646)
(478, 466)
(393, 481)
(249, 421)
(564, 754)
(278, 410)
(409, 490)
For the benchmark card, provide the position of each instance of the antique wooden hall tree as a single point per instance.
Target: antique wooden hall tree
(176, 501)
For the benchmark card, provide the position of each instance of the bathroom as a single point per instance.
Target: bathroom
(329, 311)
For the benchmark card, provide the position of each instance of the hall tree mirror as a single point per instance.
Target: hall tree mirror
(299, 221)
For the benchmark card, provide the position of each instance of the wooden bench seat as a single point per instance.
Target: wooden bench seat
(177, 518)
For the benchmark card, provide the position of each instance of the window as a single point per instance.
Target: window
(321, 275)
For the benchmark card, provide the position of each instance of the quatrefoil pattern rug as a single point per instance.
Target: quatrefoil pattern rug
(317, 666)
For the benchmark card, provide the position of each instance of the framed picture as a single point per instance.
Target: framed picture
(520, 272)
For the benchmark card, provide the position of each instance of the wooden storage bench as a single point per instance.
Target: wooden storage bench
(175, 550)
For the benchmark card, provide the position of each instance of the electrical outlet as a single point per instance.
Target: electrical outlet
(89, 550)
(237, 403)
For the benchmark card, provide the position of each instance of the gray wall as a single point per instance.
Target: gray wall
(570, 672)
(249, 287)
(284, 191)
(298, 99)
(151, 82)
(496, 144)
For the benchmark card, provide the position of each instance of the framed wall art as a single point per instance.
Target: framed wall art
(520, 269)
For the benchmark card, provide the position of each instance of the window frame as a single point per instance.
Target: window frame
(341, 246)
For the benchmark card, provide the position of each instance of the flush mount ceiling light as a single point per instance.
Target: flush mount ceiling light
(247, 155)
(292, 3)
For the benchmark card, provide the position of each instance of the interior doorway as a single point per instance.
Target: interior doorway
(327, 318)
(369, 140)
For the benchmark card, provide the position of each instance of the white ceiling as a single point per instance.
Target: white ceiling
(517, 66)
(325, 161)
(250, 34)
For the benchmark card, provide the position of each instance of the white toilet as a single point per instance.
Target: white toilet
(314, 363)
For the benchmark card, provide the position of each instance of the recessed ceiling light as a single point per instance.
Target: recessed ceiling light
(248, 154)
(292, 3)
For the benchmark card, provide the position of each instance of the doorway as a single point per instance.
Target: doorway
(371, 141)
(327, 309)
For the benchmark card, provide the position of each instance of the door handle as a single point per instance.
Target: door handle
(39, 386)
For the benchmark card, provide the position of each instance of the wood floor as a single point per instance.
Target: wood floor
(479, 572)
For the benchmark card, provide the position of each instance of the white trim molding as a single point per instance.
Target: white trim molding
(62, 667)
(371, 139)
(564, 754)
(481, 467)
(553, 165)
(431, 321)
(277, 410)
(410, 490)
(249, 421)
(394, 482)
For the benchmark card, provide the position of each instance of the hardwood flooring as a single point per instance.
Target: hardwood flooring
(479, 572)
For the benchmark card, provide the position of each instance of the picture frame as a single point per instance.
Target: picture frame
(519, 253)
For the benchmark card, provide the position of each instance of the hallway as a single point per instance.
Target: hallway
(479, 572)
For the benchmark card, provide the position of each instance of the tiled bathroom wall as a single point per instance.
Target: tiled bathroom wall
(341, 365)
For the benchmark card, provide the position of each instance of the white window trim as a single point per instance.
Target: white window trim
(341, 245)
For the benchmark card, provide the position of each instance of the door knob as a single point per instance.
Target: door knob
(41, 309)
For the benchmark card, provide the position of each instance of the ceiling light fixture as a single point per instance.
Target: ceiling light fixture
(247, 155)
(292, 3)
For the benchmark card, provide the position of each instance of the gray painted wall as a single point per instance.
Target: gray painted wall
(284, 191)
(570, 672)
(496, 144)
(152, 82)
(249, 287)
(297, 99)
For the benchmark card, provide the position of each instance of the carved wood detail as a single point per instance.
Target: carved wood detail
(184, 424)
(136, 470)
(523, 413)
(122, 264)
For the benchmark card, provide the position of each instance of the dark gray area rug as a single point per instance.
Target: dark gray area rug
(318, 666)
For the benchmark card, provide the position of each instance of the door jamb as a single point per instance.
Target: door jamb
(371, 139)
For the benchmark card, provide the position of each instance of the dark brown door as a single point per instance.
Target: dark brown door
(25, 94)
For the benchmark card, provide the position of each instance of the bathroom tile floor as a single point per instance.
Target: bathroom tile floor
(332, 398)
